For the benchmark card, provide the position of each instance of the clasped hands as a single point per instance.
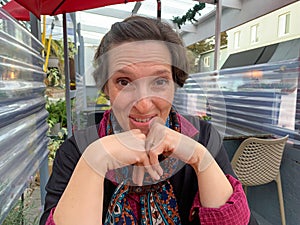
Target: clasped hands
(142, 152)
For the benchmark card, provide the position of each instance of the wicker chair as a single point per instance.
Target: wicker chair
(257, 162)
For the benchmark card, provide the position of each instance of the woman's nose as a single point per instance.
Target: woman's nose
(144, 105)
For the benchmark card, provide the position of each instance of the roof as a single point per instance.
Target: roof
(96, 22)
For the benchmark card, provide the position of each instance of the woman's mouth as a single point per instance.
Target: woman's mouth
(142, 120)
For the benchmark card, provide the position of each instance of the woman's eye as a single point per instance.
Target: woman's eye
(161, 82)
(123, 82)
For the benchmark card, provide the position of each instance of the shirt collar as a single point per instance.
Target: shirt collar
(187, 128)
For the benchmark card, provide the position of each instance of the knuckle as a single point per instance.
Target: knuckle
(135, 131)
(142, 136)
(152, 155)
(141, 158)
(138, 159)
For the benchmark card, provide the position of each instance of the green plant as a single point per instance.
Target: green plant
(204, 116)
(57, 115)
(190, 15)
(57, 112)
(21, 214)
(54, 77)
(55, 143)
(72, 49)
(207, 44)
(102, 101)
(57, 49)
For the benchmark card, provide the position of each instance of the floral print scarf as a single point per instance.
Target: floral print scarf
(157, 201)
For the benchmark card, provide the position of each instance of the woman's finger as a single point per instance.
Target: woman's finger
(153, 158)
(152, 172)
(155, 135)
(138, 174)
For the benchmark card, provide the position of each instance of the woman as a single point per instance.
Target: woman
(146, 164)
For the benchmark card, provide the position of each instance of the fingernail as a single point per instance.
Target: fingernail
(157, 176)
(160, 171)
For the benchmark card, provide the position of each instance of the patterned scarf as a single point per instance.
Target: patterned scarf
(157, 201)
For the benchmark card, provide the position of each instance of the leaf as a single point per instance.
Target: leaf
(189, 15)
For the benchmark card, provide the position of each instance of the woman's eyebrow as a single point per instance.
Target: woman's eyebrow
(161, 72)
(124, 72)
(155, 73)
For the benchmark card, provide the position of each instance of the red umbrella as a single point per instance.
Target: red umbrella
(54, 7)
(17, 11)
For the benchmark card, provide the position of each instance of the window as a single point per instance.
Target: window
(284, 24)
(254, 37)
(237, 39)
(206, 61)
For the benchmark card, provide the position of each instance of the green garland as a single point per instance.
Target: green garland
(190, 15)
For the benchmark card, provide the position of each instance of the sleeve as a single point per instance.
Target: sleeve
(50, 220)
(66, 159)
(64, 163)
(210, 137)
(234, 212)
(185, 182)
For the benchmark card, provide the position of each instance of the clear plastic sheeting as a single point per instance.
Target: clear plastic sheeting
(238, 101)
(18, 43)
(9, 111)
(22, 70)
(13, 90)
(23, 127)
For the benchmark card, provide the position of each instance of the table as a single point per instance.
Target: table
(236, 134)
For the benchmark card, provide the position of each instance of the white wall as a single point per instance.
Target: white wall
(267, 29)
(250, 9)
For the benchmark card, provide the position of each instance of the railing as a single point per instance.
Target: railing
(23, 127)
(262, 98)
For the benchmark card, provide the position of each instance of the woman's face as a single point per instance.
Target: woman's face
(140, 87)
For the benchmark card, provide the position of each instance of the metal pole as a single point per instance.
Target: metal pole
(80, 50)
(158, 9)
(44, 176)
(218, 34)
(73, 17)
(67, 75)
(136, 8)
(44, 171)
(81, 63)
(35, 25)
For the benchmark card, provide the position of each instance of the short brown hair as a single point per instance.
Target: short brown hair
(138, 28)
